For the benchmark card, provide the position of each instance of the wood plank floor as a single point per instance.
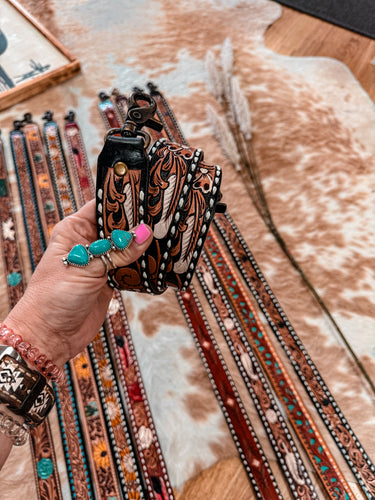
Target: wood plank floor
(297, 34)
(293, 34)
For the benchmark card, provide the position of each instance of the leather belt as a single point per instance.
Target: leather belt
(8, 237)
(57, 167)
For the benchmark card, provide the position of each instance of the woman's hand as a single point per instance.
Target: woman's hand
(64, 307)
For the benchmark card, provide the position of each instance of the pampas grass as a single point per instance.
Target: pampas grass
(224, 136)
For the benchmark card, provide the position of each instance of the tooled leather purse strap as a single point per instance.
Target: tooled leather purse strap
(170, 188)
(57, 167)
(45, 196)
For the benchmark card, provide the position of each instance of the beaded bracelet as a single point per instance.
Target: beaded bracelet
(30, 354)
(18, 433)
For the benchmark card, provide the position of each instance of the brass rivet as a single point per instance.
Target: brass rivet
(120, 168)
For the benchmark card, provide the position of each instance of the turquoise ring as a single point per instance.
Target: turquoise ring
(80, 255)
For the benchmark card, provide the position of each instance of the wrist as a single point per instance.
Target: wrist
(12, 427)
(29, 350)
(33, 330)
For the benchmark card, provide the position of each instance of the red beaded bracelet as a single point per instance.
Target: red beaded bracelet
(30, 354)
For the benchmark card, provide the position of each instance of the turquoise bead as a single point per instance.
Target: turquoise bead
(78, 256)
(44, 468)
(121, 239)
(100, 247)
(14, 279)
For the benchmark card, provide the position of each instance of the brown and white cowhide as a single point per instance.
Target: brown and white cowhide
(313, 134)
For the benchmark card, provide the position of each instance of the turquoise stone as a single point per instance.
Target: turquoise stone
(44, 468)
(78, 256)
(14, 279)
(121, 239)
(100, 247)
(3, 187)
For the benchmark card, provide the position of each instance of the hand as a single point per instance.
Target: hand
(64, 307)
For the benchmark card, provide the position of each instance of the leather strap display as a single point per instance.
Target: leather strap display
(240, 428)
(45, 188)
(57, 166)
(175, 132)
(151, 468)
(248, 446)
(41, 442)
(327, 407)
(92, 395)
(299, 416)
(8, 237)
(272, 418)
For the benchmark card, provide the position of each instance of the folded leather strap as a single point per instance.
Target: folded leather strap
(171, 189)
(175, 193)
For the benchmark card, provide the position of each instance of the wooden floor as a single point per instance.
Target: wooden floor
(294, 34)
(297, 34)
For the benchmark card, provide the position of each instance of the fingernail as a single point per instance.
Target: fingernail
(142, 233)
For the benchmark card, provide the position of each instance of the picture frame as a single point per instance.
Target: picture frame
(31, 58)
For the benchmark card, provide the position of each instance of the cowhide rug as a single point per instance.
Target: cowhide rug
(313, 134)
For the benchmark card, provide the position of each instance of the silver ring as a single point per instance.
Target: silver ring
(105, 263)
(110, 260)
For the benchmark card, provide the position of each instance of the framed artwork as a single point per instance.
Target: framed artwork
(31, 58)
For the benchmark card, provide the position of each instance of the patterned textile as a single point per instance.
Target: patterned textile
(312, 133)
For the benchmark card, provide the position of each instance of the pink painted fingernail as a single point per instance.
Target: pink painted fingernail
(142, 232)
